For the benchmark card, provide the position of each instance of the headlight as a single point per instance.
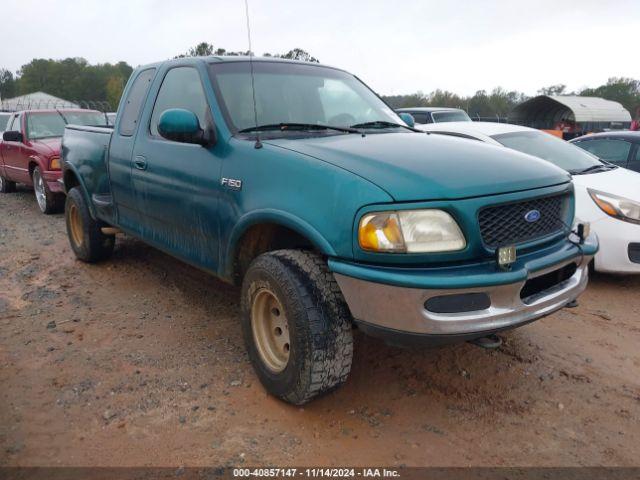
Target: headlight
(54, 164)
(617, 207)
(410, 231)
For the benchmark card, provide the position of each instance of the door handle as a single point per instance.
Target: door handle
(140, 162)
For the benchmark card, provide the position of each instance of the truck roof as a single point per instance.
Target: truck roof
(235, 58)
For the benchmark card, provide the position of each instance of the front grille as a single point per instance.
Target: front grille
(502, 225)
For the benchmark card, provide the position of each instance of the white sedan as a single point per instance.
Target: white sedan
(607, 196)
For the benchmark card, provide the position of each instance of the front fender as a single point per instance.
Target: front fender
(277, 217)
(39, 161)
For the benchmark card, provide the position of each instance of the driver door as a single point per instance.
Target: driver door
(15, 165)
(176, 184)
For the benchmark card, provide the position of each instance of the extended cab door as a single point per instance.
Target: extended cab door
(121, 149)
(177, 184)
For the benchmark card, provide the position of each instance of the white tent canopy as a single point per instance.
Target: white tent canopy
(593, 109)
(34, 101)
(544, 111)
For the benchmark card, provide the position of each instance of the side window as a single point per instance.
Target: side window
(181, 88)
(420, 117)
(16, 125)
(634, 163)
(614, 151)
(133, 104)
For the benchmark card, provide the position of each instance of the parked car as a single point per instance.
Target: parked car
(4, 118)
(621, 148)
(607, 197)
(326, 208)
(424, 115)
(30, 151)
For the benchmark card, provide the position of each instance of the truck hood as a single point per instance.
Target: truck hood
(412, 166)
(48, 146)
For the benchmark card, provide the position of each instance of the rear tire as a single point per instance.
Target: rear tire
(85, 234)
(7, 186)
(296, 325)
(48, 202)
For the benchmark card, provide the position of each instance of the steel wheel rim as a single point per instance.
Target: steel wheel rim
(2, 183)
(270, 330)
(41, 194)
(75, 225)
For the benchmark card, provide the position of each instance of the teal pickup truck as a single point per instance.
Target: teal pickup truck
(297, 182)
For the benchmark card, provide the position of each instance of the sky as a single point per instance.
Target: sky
(397, 47)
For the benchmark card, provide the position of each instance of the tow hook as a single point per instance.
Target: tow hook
(488, 342)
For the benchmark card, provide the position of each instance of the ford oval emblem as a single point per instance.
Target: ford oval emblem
(532, 216)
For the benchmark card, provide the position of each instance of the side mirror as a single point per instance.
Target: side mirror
(180, 125)
(407, 118)
(12, 136)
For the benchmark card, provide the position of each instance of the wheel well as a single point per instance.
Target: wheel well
(32, 167)
(264, 238)
(70, 180)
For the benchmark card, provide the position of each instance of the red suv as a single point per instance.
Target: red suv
(30, 151)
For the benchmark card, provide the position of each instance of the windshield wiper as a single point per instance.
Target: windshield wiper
(592, 168)
(297, 127)
(384, 124)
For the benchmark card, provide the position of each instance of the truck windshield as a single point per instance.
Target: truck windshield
(51, 124)
(452, 116)
(545, 146)
(291, 93)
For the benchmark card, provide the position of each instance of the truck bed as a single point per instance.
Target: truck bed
(85, 148)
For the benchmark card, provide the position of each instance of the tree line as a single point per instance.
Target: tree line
(76, 79)
(499, 102)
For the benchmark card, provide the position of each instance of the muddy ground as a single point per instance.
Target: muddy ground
(139, 361)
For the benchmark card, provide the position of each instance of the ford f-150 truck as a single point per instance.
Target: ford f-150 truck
(30, 151)
(297, 182)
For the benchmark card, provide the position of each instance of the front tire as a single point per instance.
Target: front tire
(48, 202)
(85, 234)
(296, 325)
(7, 186)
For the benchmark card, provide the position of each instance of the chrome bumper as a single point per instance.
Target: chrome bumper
(403, 309)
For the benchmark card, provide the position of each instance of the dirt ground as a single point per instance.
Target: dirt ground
(139, 361)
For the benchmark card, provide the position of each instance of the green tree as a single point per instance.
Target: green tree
(619, 89)
(299, 54)
(7, 84)
(74, 79)
(559, 89)
(114, 89)
(204, 49)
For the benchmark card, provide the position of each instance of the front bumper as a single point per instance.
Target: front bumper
(52, 177)
(401, 309)
(615, 237)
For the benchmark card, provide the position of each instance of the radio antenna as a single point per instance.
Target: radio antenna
(253, 84)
